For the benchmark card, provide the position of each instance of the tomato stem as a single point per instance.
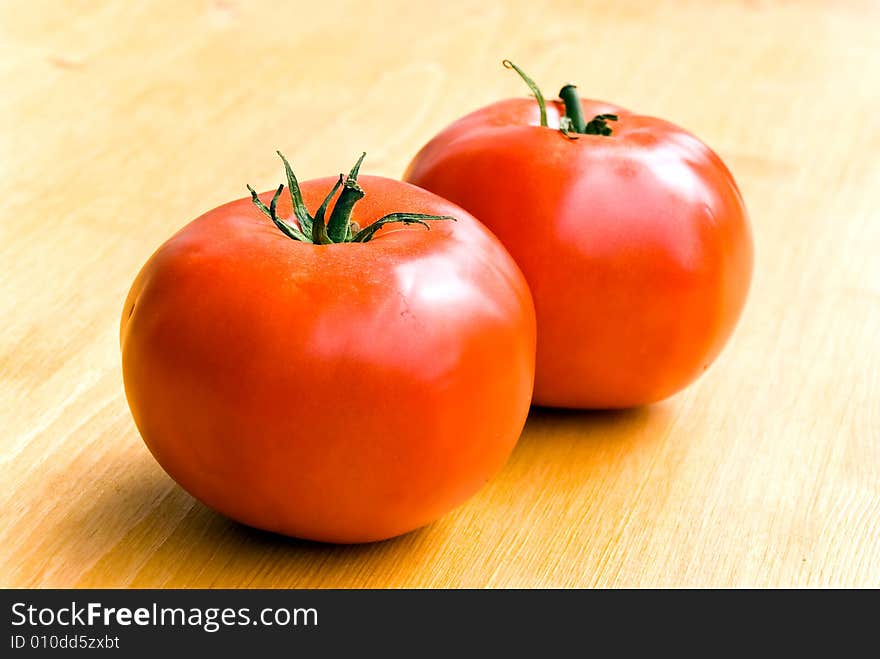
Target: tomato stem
(572, 124)
(337, 225)
(574, 113)
(534, 87)
(573, 109)
(339, 228)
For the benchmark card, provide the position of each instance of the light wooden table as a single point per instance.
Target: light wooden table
(122, 121)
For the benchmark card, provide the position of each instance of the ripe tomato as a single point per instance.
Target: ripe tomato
(346, 391)
(634, 240)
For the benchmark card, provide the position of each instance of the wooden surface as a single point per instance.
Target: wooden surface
(123, 121)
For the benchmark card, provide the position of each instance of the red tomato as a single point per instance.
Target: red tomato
(342, 392)
(636, 245)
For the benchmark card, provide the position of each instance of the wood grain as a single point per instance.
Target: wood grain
(122, 121)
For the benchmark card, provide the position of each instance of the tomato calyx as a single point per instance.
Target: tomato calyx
(572, 124)
(573, 121)
(339, 227)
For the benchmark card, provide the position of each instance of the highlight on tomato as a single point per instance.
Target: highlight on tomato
(631, 232)
(344, 363)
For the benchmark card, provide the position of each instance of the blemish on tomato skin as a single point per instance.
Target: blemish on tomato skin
(710, 214)
(627, 169)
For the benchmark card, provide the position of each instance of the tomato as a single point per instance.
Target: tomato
(348, 390)
(634, 239)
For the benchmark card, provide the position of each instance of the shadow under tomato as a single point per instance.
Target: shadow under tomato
(550, 426)
(575, 439)
(600, 418)
(153, 534)
(271, 540)
(543, 426)
(160, 536)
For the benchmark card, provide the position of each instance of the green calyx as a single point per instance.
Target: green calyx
(573, 123)
(339, 227)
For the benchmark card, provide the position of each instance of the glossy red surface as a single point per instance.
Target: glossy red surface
(347, 392)
(637, 246)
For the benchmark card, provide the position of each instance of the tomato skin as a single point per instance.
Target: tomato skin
(344, 393)
(637, 246)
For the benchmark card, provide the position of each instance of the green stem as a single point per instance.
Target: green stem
(573, 122)
(320, 236)
(337, 225)
(574, 113)
(531, 83)
(573, 109)
(340, 228)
